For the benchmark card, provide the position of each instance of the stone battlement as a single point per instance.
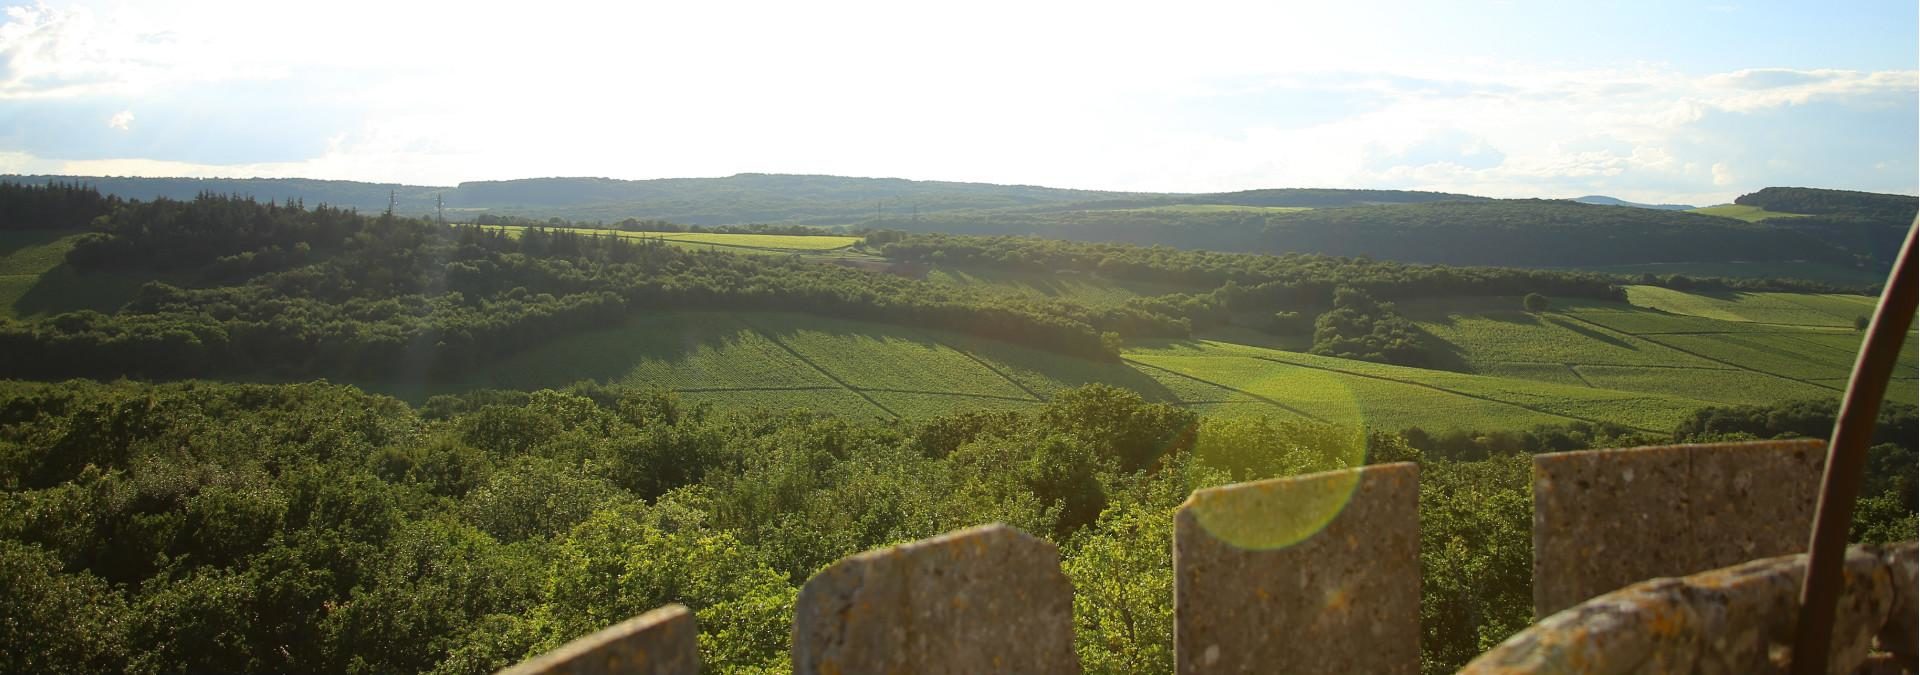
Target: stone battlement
(1321, 574)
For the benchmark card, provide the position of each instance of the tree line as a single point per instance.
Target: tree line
(51, 205)
(1534, 233)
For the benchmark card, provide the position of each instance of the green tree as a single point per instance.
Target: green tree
(1535, 302)
(1476, 557)
(52, 621)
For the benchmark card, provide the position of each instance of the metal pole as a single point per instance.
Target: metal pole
(1846, 461)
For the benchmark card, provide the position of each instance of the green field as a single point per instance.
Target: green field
(783, 360)
(1644, 364)
(1793, 309)
(1751, 214)
(36, 281)
(1738, 348)
(784, 243)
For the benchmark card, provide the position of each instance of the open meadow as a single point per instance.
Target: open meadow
(1751, 214)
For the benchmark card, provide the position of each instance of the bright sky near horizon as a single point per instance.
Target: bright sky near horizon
(1643, 100)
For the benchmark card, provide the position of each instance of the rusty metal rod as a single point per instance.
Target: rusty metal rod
(1847, 460)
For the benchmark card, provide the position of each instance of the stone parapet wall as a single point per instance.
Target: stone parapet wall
(661, 642)
(1603, 519)
(1737, 619)
(989, 599)
(1309, 574)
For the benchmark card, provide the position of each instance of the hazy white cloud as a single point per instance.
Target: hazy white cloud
(1125, 95)
(1722, 174)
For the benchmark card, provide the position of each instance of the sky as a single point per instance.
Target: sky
(1649, 101)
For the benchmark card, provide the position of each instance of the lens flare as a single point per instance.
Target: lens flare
(1313, 424)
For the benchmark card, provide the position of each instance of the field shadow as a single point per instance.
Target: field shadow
(65, 289)
(1586, 332)
(1723, 295)
(1444, 355)
(1449, 313)
(1014, 362)
(612, 355)
(15, 240)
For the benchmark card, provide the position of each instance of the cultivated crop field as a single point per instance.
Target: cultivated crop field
(782, 360)
(1742, 348)
(1793, 309)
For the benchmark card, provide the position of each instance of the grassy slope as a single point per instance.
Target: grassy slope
(36, 281)
(1751, 214)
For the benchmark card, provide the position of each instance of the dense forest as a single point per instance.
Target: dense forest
(1527, 233)
(1817, 201)
(53, 205)
(1863, 222)
(1291, 197)
(226, 527)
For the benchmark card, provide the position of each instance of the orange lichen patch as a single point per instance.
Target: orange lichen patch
(1337, 600)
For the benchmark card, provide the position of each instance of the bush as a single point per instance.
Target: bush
(1535, 302)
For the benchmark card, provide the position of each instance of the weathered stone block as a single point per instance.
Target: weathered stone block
(661, 642)
(1308, 574)
(1603, 519)
(986, 599)
(1902, 633)
(1729, 621)
(1753, 500)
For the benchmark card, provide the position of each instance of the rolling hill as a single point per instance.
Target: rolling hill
(1834, 235)
(1603, 200)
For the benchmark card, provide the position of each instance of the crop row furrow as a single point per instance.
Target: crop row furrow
(803, 358)
(1438, 388)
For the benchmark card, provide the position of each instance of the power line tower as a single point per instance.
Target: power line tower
(440, 207)
(393, 198)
